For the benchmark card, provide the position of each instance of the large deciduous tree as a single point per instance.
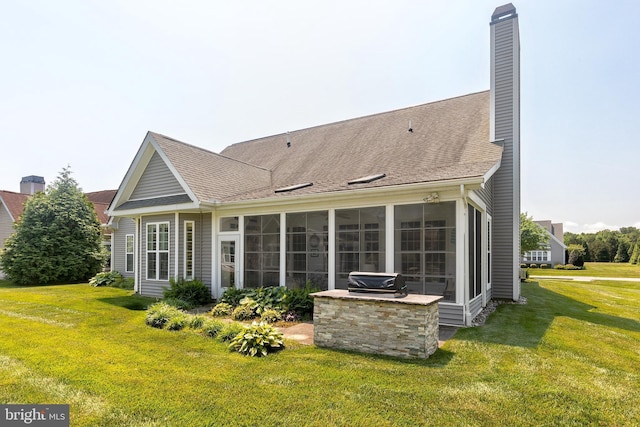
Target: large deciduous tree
(57, 238)
(532, 236)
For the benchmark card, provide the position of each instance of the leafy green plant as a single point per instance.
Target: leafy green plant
(232, 296)
(271, 316)
(178, 322)
(258, 339)
(192, 291)
(212, 327)
(159, 314)
(221, 309)
(124, 283)
(105, 278)
(299, 300)
(179, 303)
(243, 312)
(197, 321)
(559, 267)
(229, 331)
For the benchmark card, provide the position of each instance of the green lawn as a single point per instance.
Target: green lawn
(568, 357)
(595, 269)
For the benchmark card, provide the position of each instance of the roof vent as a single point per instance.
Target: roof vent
(367, 179)
(293, 187)
(288, 140)
(410, 127)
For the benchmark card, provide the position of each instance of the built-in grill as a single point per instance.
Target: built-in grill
(385, 283)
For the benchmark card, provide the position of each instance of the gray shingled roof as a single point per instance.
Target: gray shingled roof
(449, 140)
(209, 175)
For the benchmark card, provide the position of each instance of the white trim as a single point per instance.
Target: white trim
(176, 237)
(389, 237)
(282, 274)
(193, 249)
(331, 255)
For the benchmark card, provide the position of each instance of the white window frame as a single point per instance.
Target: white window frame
(192, 254)
(157, 250)
(127, 253)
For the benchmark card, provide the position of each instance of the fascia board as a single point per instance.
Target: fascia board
(157, 210)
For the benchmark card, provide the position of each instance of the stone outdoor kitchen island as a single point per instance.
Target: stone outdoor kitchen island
(404, 327)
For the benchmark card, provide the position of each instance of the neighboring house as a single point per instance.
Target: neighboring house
(12, 205)
(551, 253)
(430, 191)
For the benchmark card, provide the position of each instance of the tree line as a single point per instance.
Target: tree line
(606, 246)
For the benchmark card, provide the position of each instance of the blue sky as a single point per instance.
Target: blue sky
(81, 82)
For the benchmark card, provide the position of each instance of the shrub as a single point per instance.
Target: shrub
(232, 296)
(229, 331)
(559, 267)
(212, 327)
(197, 321)
(178, 322)
(192, 291)
(271, 316)
(572, 267)
(221, 309)
(106, 278)
(523, 265)
(544, 265)
(243, 312)
(299, 301)
(179, 303)
(533, 265)
(125, 283)
(257, 340)
(159, 314)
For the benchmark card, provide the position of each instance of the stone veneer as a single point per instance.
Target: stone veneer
(404, 327)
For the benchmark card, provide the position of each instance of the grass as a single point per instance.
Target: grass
(568, 357)
(594, 269)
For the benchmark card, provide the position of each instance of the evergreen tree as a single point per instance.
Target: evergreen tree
(57, 238)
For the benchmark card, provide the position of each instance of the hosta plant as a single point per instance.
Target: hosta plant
(271, 316)
(160, 313)
(221, 309)
(258, 339)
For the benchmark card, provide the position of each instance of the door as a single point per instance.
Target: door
(228, 262)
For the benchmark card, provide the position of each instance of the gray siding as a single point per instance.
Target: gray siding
(119, 248)
(451, 314)
(202, 246)
(154, 288)
(506, 185)
(156, 181)
(475, 306)
(486, 195)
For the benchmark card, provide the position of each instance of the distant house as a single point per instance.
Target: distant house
(430, 191)
(12, 205)
(551, 253)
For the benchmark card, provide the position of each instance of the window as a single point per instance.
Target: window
(475, 252)
(307, 249)
(425, 246)
(360, 244)
(158, 251)
(229, 223)
(129, 254)
(262, 251)
(189, 227)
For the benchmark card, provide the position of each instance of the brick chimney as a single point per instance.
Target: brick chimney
(505, 130)
(31, 184)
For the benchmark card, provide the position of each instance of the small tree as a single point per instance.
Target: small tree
(532, 236)
(57, 238)
(576, 255)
